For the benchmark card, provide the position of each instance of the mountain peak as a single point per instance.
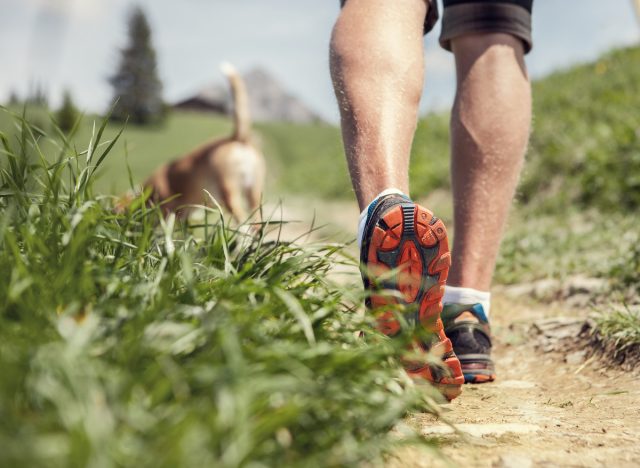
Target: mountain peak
(268, 98)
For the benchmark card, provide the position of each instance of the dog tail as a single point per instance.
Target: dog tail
(241, 114)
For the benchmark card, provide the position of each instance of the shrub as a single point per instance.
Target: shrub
(68, 114)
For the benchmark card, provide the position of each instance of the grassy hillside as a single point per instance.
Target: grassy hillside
(301, 158)
(584, 150)
(307, 159)
(144, 147)
(128, 340)
(585, 146)
(585, 143)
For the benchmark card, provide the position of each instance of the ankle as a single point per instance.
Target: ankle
(461, 295)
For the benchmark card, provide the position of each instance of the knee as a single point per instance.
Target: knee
(491, 47)
(340, 53)
(494, 95)
(493, 63)
(354, 45)
(381, 34)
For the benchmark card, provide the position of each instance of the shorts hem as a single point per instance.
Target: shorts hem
(486, 17)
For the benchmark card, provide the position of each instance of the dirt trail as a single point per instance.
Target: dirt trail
(542, 410)
(545, 408)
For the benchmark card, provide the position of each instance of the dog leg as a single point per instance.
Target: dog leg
(254, 198)
(232, 200)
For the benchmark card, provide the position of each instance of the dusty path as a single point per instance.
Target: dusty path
(545, 409)
(542, 410)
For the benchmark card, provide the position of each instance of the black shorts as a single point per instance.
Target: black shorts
(480, 16)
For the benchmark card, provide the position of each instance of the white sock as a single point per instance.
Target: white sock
(362, 221)
(458, 295)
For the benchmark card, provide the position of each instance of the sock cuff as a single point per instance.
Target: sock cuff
(460, 295)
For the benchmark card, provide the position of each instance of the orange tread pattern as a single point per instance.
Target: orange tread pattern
(426, 233)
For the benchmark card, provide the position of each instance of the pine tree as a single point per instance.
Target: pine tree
(137, 88)
(67, 114)
(38, 96)
(14, 100)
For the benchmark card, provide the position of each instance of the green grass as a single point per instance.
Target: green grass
(618, 325)
(292, 151)
(626, 268)
(145, 148)
(556, 246)
(621, 330)
(587, 244)
(301, 159)
(585, 147)
(130, 340)
(429, 169)
(577, 199)
(306, 159)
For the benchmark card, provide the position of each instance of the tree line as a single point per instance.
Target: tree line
(137, 89)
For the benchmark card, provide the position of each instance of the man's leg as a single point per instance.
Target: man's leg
(489, 133)
(377, 69)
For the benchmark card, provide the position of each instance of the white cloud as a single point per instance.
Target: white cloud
(82, 9)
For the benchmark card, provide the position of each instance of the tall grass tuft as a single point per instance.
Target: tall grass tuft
(130, 340)
(621, 328)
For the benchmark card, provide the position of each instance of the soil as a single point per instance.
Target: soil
(545, 409)
(551, 405)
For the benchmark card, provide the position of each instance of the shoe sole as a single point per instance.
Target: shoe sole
(477, 368)
(409, 239)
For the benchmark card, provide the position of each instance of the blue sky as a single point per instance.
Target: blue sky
(73, 43)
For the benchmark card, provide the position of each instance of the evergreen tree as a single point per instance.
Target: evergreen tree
(14, 100)
(38, 96)
(137, 88)
(67, 114)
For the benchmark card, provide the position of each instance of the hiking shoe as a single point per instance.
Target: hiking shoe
(467, 327)
(403, 236)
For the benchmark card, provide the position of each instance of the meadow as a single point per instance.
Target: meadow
(128, 339)
(583, 152)
(292, 151)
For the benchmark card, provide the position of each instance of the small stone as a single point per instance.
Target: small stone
(513, 460)
(575, 358)
(583, 285)
(482, 430)
(515, 384)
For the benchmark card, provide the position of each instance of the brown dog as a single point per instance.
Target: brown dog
(232, 169)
